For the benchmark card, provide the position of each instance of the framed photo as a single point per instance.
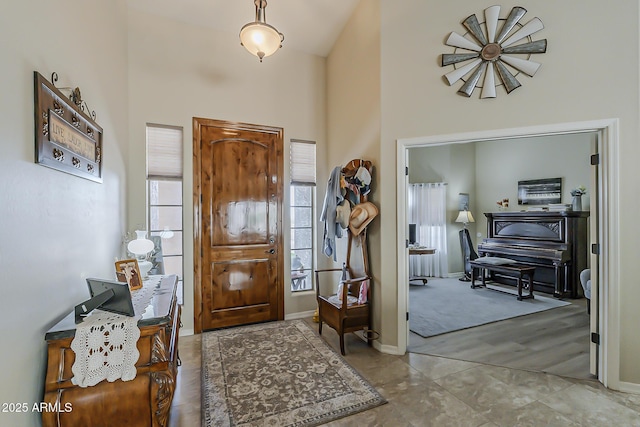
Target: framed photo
(540, 191)
(127, 270)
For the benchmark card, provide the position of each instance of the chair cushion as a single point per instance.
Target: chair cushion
(585, 281)
(335, 300)
(494, 260)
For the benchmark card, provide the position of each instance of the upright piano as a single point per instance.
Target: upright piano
(556, 243)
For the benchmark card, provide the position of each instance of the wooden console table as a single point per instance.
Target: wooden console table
(144, 401)
(518, 269)
(420, 251)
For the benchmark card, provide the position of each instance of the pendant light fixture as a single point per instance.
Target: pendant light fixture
(260, 38)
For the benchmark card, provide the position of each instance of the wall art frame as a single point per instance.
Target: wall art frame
(66, 137)
(540, 191)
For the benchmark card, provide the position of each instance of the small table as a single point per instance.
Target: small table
(519, 269)
(420, 251)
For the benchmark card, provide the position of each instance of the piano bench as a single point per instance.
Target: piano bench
(519, 270)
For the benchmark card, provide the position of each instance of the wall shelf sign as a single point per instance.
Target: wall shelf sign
(66, 137)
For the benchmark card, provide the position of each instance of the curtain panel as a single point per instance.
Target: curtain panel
(428, 210)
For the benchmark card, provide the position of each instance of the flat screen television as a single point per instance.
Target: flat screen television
(120, 302)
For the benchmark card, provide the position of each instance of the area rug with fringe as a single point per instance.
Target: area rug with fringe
(278, 374)
(447, 305)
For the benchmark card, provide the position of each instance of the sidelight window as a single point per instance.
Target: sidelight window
(302, 213)
(164, 199)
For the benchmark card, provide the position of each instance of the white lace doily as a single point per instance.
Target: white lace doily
(105, 343)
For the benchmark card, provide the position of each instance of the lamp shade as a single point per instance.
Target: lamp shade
(260, 38)
(465, 217)
(140, 245)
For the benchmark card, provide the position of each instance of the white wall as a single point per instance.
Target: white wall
(508, 161)
(454, 164)
(178, 72)
(56, 229)
(572, 85)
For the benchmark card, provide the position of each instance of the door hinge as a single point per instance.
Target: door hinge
(406, 243)
(595, 249)
(595, 338)
(406, 170)
(407, 316)
(595, 159)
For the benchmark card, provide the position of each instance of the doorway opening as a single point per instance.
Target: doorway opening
(603, 227)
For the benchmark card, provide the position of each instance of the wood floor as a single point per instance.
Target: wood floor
(554, 341)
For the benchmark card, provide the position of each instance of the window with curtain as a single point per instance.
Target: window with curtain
(164, 196)
(302, 211)
(428, 210)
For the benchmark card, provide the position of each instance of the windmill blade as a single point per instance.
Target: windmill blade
(514, 16)
(491, 16)
(472, 24)
(529, 28)
(509, 80)
(538, 46)
(489, 85)
(454, 58)
(456, 40)
(468, 87)
(524, 65)
(457, 74)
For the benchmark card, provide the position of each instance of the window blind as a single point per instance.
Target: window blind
(164, 152)
(303, 162)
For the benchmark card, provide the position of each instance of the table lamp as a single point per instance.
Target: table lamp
(140, 247)
(465, 218)
(468, 253)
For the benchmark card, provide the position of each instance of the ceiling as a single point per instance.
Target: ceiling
(308, 26)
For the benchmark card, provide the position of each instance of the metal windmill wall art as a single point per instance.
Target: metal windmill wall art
(489, 51)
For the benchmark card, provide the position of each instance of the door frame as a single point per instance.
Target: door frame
(198, 122)
(608, 232)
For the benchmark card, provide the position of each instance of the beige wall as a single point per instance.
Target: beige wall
(56, 229)
(353, 116)
(178, 72)
(570, 86)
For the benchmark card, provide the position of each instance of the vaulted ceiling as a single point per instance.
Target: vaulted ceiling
(308, 26)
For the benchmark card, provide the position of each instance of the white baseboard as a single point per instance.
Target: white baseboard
(629, 387)
(299, 315)
(185, 332)
(387, 349)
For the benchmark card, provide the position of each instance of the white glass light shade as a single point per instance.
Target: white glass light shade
(260, 39)
(465, 217)
(141, 245)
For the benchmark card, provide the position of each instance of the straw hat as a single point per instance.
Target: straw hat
(361, 215)
(343, 213)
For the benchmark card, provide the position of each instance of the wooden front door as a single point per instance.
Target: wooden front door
(238, 187)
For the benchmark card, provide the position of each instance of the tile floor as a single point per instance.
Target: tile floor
(426, 390)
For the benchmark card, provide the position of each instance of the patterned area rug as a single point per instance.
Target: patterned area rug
(278, 374)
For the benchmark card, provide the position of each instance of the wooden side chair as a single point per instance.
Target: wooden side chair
(353, 315)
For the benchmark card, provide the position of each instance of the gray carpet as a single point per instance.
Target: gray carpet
(447, 305)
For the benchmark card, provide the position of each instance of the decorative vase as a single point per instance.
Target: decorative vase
(577, 203)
